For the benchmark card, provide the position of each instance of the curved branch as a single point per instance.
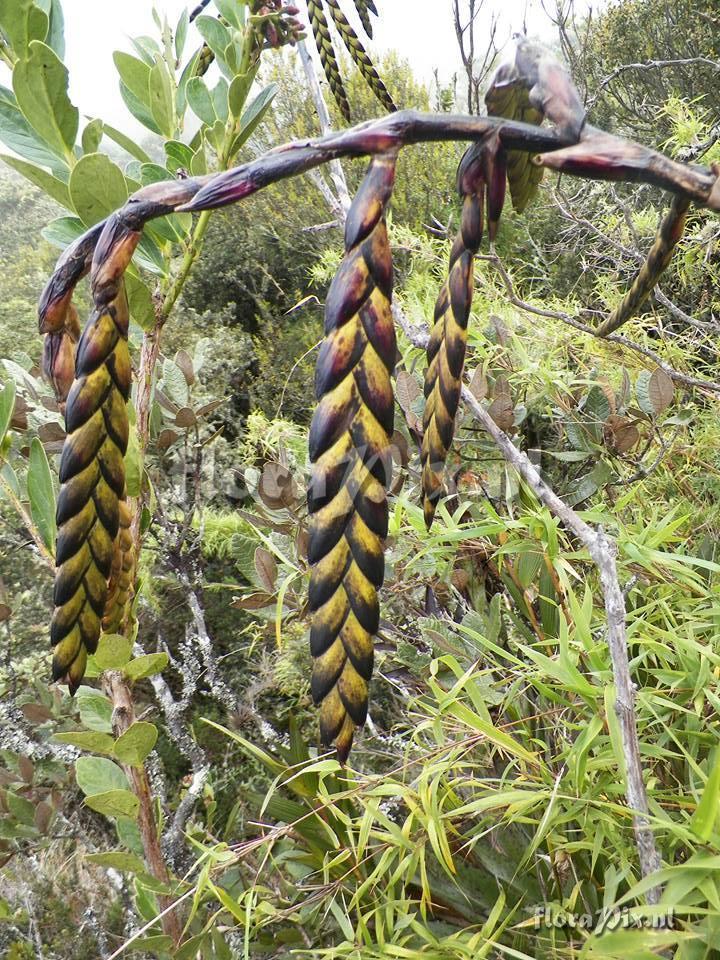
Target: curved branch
(597, 155)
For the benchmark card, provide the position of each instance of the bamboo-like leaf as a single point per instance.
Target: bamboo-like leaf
(117, 860)
(706, 813)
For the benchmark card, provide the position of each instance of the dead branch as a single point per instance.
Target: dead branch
(603, 551)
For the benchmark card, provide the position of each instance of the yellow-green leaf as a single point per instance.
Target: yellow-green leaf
(40, 83)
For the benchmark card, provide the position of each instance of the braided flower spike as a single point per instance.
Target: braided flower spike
(448, 338)
(360, 57)
(122, 576)
(328, 57)
(92, 470)
(670, 233)
(364, 9)
(349, 448)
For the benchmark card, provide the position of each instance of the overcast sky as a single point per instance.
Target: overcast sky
(420, 30)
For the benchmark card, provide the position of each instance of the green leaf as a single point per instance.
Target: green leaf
(133, 469)
(146, 48)
(179, 155)
(118, 860)
(10, 478)
(20, 808)
(87, 740)
(95, 711)
(703, 820)
(254, 115)
(129, 835)
(215, 34)
(231, 10)
(136, 743)
(146, 666)
(114, 803)
(140, 302)
(56, 31)
(200, 100)
(97, 187)
(17, 134)
(267, 759)
(41, 178)
(199, 166)
(642, 391)
(149, 255)
(159, 945)
(98, 775)
(153, 173)
(113, 651)
(597, 406)
(7, 405)
(181, 34)
(138, 109)
(92, 135)
(188, 71)
(41, 494)
(239, 90)
(41, 83)
(220, 99)
(174, 383)
(63, 231)
(135, 75)
(162, 98)
(22, 21)
(126, 143)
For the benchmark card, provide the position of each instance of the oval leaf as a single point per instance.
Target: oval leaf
(41, 494)
(136, 743)
(40, 83)
(88, 740)
(114, 803)
(113, 652)
(146, 666)
(97, 187)
(661, 390)
(266, 569)
(98, 775)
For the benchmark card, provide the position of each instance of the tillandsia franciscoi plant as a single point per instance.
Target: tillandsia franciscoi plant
(351, 429)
